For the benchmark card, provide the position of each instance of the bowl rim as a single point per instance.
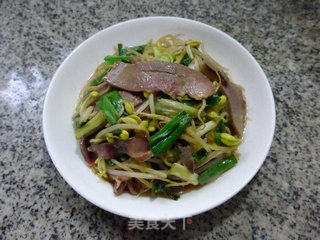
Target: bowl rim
(122, 213)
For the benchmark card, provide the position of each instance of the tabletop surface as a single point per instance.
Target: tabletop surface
(281, 202)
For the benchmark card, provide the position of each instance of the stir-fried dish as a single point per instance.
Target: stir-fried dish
(160, 118)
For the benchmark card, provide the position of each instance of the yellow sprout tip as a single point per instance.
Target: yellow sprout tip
(128, 107)
(146, 94)
(94, 94)
(124, 135)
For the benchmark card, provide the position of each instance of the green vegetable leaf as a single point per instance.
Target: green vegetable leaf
(221, 127)
(186, 60)
(171, 108)
(162, 140)
(85, 93)
(77, 122)
(217, 139)
(166, 130)
(99, 79)
(213, 100)
(110, 163)
(110, 105)
(139, 48)
(200, 155)
(79, 125)
(182, 172)
(176, 152)
(159, 187)
(91, 125)
(115, 99)
(217, 169)
(165, 58)
(108, 110)
(116, 132)
(156, 52)
(110, 60)
(122, 51)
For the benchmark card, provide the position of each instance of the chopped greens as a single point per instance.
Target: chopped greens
(91, 125)
(172, 108)
(156, 52)
(160, 187)
(110, 60)
(122, 51)
(221, 127)
(186, 60)
(213, 100)
(98, 79)
(139, 48)
(217, 169)
(163, 56)
(110, 163)
(116, 132)
(166, 58)
(217, 139)
(176, 152)
(200, 155)
(182, 172)
(110, 105)
(167, 135)
(77, 122)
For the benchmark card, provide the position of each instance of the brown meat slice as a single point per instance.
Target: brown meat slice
(119, 183)
(236, 103)
(186, 158)
(90, 157)
(135, 99)
(236, 106)
(171, 78)
(110, 150)
(102, 87)
(137, 148)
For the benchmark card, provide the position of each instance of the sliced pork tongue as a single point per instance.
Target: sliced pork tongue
(186, 158)
(171, 78)
(119, 183)
(89, 157)
(236, 103)
(137, 148)
(134, 98)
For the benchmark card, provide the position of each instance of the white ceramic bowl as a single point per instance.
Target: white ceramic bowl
(76, 69)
